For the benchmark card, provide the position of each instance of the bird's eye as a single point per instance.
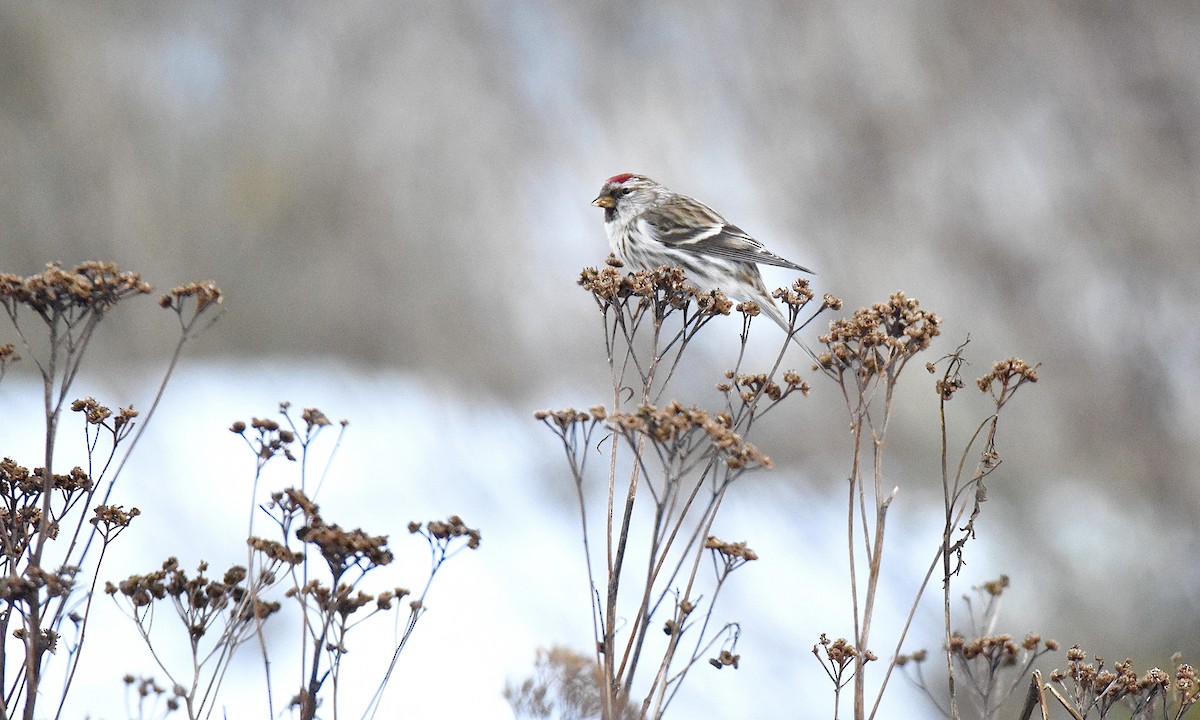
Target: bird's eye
(626, 191)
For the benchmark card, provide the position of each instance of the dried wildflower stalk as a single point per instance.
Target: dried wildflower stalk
(992, 665)
(865, 355)
(961, 491)
(1088, 690)
(40, 579)
(840, 660)
(217, 616)
(323, 576)
(680, 460)
(333, 606)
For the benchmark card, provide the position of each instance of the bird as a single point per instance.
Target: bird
(649, 225)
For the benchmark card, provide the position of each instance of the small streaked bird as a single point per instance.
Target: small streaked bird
(649, 225)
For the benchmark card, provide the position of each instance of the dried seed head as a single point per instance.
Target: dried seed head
(206, 293)
(875, 338)
(1007, 375)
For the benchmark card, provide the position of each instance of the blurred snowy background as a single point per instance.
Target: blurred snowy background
(394, 197)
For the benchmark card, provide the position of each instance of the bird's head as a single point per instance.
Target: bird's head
(627, 195)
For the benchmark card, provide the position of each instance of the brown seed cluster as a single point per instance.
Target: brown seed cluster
(340, 548)
(946, 387)
(16, 481)
(343, 601)
(1094, 685)
(564, 419)
(21, 513)
(96, 414)
(271, 439)
(731, 550)
(749, 308)
(199, 599)
(205, 292)
(995, 650)
(839, 653)
(276, 551)
(665, 287)
(90, 286)
(384, 600)
(37, 584)
(338, 598)
(110, 519)
(448, 529)
(314, 418)
(672, 427)
(751, 386)
(1007, 374)
(724, 660)
(998, 649)
(800, 294)
(874, 338)
(792, 379)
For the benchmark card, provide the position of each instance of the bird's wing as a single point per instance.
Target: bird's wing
(702, 231)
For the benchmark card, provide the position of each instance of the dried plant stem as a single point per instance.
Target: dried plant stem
(70, 305)
(681, 461)
(661, 682)
(872, 537)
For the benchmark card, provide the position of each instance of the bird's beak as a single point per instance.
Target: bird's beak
(604, 201)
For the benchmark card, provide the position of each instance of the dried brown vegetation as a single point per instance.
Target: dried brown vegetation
(316, 565)
(52, 548)
(678, 460)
